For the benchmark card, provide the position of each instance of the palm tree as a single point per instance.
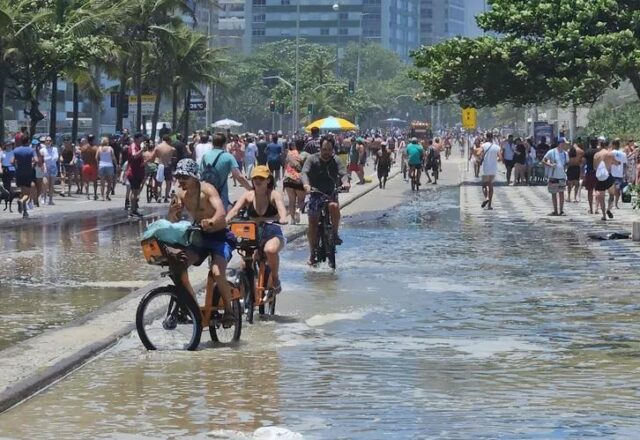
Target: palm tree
(196, 64)
(83, 80)
(75, 19)
(17, 21)
(142, 19)
(322, 100)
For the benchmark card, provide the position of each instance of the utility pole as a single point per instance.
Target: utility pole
(296, 93)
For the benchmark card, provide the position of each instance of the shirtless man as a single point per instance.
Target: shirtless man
(203, 203)
(88, 153)
(574, 166)
(605, 156)
(165, 153)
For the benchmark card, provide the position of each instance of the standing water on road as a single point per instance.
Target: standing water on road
(434, 326)
(55, 272)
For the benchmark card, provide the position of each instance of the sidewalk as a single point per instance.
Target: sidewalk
(33, 364)
(78, 204)
(533, 204)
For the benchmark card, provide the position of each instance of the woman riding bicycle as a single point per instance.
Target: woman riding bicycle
(265, 204)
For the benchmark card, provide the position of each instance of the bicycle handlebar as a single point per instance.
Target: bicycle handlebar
(339, 190)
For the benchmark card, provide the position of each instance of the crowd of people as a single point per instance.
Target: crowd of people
(604, 168)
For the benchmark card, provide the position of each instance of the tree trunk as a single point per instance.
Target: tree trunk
(156, 110)
(2, 87)
(174, 110)
(634, 77)
(53, 114)
(33, 122)
(122, 91)
(139, 93)
(74, 116)
(187, 99)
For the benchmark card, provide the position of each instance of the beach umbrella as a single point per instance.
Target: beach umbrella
(226, 123)
(332, 123)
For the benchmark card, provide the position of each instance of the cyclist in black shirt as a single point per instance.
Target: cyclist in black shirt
(324, 173)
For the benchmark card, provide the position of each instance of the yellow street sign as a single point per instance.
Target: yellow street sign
(469, 118)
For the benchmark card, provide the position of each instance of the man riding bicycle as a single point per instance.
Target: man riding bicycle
(415, 154)
(325, 173)
(203, 203)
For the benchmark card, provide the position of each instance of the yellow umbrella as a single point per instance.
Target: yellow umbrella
(331, 123)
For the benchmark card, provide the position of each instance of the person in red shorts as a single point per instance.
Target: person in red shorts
(356, 152)
(135, 173)
(90, 168)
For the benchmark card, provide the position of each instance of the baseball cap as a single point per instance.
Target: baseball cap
(35, 142)
(562, 140)
(261, 171)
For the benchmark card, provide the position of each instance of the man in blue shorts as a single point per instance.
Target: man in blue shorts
(203, 203)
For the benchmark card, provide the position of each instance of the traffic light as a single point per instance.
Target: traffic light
(272, 106)
(310, 109)
(352, 87)
(281, 109)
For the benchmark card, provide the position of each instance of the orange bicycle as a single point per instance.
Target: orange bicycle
(168, 317)
(254, 279)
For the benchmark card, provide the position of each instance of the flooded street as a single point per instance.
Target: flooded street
(55, 272)
(435, 325)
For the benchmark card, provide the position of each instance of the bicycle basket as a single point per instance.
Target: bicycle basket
(153, 252)
(246, 233)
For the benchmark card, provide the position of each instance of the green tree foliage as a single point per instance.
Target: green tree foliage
(385, 88)
(545, 49)
(611, 121)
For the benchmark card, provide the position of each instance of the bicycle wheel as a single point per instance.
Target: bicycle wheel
(330, 245)
(217, 331)
(321, 249)
(166, 320)
(270, 307)
(248, 294)
(267, 272)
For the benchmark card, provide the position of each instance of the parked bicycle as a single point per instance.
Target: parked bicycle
(153, 189)
(168, 317)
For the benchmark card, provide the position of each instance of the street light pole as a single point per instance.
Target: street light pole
(209, 98)
(336, 9)
(296, 113)
(359, 49)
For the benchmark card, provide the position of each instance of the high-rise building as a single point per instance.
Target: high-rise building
(441, 19)
(473, 8)
(392, 23)
(231, 24)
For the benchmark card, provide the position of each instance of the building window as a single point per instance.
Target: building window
(428, 13)
(343, 31)
(324, 31)
(343, 16)
(258, 32)
(259, 2)
(259, 18)
(285, 2)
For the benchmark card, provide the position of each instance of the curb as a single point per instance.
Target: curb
(30, 386)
